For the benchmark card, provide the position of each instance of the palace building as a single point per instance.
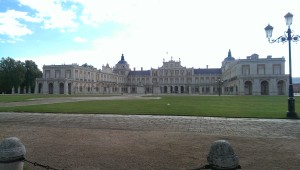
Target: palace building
(249, 76)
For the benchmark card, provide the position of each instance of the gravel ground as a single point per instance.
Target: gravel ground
(105, 142)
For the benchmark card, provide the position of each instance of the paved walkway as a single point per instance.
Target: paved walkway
(269, 128)
(96, 141)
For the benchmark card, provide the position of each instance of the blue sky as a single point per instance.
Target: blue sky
(199, 33)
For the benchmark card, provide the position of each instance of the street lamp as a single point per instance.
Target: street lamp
(287, 37)
(219, 83)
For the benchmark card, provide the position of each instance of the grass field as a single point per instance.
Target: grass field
(221, 106)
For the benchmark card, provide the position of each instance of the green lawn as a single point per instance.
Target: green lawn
(223, 106)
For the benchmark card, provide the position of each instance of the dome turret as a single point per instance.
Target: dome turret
(229, 57)
(122, 61)
(122, 67)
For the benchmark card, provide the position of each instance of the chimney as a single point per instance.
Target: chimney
(133, 68)
(206, 66)
(141, 68)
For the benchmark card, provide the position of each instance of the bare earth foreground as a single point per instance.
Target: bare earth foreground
(88, 142)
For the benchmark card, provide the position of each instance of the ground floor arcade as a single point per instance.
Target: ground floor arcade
(237, 87)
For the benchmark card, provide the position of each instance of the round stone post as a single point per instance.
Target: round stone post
(222, 156)
(12, 153)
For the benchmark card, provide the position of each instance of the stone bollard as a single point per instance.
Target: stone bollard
(12, 153)
(222, 156)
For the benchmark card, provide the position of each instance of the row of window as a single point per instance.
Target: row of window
(83, 75)
(171, 72)
(261, 69)
(174, 80)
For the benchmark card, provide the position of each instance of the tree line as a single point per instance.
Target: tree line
(18, 75)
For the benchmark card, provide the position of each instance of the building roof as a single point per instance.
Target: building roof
(208, 71)
(139, 73)
(229, 57)
(122, 61)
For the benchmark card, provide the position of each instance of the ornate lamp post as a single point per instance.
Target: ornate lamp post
(287, 37)
(219, 83)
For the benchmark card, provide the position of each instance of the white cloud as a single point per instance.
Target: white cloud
(198, 32)
(53, 15)
(97, 12)
(79, 40)
(10, 23)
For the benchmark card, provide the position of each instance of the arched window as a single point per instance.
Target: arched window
(248, 88)
(264, 88)
(61, 88)
(50, 87)
(281, 87)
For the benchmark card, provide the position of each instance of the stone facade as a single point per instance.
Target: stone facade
(250, 76)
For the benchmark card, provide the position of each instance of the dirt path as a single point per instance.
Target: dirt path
(91, 142)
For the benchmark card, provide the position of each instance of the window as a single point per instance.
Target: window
(276, 69)
(207, 80)
(76, 74)
(57, 73)
(201, 80)
(260, 69)
(166, 80)
(47, 73)
(171, 80)
(245, 70)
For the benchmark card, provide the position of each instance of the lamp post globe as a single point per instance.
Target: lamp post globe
(287, 37)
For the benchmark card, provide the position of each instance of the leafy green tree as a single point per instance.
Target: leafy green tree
(31, 73)
(17, 74)
(87, 65)
(11, 74)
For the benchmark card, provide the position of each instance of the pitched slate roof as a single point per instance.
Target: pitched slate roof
(208, 71)
(139, 73)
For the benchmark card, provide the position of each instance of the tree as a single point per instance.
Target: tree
(11, 74)
(31, 73)
(17, 74)
(87, 65)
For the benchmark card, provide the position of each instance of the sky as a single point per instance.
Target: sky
(147, 32)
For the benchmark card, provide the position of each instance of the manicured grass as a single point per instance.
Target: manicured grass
(223, 106)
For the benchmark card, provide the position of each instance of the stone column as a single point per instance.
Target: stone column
(66, 91)
(128, 89)
(273, 90)
(13, 90)
(36, 88)
(12, 153)
(19, 90)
